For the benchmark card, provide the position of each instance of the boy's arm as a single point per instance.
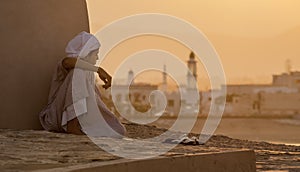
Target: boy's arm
(70, 63)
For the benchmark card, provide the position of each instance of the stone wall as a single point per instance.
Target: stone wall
(33, 35)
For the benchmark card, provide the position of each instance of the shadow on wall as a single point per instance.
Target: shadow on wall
(33, 38)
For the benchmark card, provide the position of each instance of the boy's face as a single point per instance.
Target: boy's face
(93, 57)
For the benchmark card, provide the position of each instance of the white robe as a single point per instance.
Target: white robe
(73, 94)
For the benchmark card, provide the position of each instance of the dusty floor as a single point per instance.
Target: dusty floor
(29, 150)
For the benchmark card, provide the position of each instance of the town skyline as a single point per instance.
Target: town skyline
(156, 77)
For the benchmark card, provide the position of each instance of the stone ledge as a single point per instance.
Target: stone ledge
(28, 150)
(243, 160)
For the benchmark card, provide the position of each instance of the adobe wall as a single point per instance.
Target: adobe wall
(33, 35)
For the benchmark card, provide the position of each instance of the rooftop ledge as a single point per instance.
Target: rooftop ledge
(28, 150)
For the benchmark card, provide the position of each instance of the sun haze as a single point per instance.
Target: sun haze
(254, 38)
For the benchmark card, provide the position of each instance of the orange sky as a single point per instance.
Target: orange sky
(253, 37)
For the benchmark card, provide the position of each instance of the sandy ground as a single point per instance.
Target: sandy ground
(278, 130)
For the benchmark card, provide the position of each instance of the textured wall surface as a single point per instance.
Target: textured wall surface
(33, 35)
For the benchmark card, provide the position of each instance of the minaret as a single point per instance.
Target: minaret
(288, 66)
(192, 73)
(164, 83)
(130, 79)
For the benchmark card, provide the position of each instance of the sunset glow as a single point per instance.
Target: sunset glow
(253, 38)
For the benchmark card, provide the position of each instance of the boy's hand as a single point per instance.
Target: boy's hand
(105, 77)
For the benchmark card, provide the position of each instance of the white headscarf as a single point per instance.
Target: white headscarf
(81, 45)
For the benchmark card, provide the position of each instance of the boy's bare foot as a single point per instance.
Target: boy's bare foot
(73, 127)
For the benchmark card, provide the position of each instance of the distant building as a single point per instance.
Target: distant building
(290, 80)
(185, 100)
(164, 85)
(130, 79)
(281, 97)
(192, 72)
(132, 98)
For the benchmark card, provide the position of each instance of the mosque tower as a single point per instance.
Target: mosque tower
(130, 79)
(192, 73)
(164, 83)
(288, 66)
